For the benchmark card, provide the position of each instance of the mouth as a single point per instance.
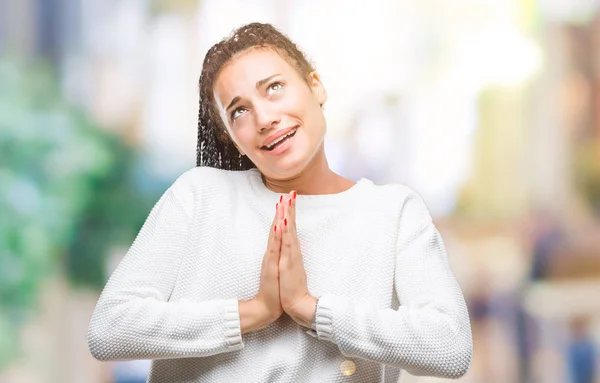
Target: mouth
(280, 141)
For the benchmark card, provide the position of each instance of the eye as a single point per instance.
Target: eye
(275, 86)
(237, 112)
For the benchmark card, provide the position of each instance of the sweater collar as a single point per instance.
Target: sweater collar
(345, 197)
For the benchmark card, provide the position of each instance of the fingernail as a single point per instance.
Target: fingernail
(280, 198)
(275, 229)
(285, 221)
(277, 205)
(294, 194)
(290, 202)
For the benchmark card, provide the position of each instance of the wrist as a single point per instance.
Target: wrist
(304, 312)
(252, 316)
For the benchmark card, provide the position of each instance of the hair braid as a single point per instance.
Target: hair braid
(214, 147)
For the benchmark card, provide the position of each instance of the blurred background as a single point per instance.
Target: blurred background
(489, 109)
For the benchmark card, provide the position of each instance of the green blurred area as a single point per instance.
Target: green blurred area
(65, 185)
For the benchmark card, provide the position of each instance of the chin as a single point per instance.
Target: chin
(285, 168)
(288, 169)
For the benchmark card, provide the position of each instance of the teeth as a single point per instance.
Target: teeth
(280, 139)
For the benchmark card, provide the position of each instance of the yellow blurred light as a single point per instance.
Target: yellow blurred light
(348, 367)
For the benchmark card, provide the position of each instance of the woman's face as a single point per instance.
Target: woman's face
(261, 98)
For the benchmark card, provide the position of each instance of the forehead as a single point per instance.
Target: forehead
(248, 67)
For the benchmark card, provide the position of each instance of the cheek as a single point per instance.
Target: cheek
(245, 138)
(300, 105)
(315, 117)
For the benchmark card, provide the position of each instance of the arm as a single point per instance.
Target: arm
(430, 333)
(134, 317)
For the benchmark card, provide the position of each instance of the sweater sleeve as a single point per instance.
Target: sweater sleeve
(134, 317)
(430, 333)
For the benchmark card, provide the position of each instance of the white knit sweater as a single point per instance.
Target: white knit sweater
(388, 298)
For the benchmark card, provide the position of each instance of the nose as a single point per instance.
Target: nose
(266, 116)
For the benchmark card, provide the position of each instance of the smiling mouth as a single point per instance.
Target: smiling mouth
(279, 141)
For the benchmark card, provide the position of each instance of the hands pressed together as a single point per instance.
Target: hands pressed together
(283, 284)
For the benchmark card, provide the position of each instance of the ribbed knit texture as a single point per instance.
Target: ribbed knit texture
(388, 298)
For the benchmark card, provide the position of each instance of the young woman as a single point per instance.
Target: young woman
(263, 265)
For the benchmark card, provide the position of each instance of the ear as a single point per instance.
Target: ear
(317, 87)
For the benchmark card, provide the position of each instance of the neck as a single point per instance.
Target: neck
(316, 178)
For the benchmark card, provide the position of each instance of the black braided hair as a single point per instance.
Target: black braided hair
(215, 148)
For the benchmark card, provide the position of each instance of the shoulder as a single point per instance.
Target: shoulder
(202, 176)
(398, 193)
(203, 181)
(404, 202)
(406, 210)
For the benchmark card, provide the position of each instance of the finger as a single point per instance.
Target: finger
(271, 261)
(275, 218)
(280, 207)
(290, 214)
(286, 238)
(278, 230)
(279, 212)
(292, 211)
(289, 233)
(274, 245)
(288, 203)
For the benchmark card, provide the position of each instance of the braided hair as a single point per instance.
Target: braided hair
(215, 148)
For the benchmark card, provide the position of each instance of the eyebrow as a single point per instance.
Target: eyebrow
(259, 84)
